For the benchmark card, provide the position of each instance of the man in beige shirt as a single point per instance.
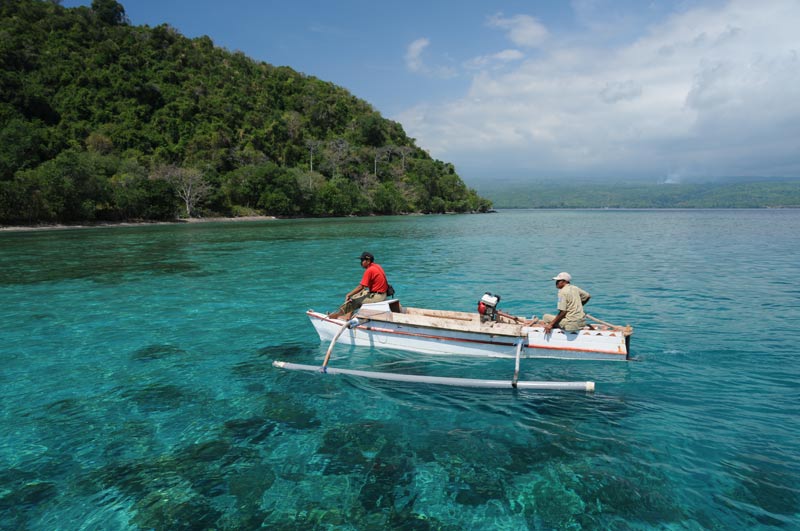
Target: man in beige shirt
(571, 300)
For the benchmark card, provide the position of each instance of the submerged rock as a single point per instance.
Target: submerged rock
(158, 396)
(157, 352)
(27, 494)
(287, 410)
(253, 429)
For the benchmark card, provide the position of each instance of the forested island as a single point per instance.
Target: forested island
(104, 121)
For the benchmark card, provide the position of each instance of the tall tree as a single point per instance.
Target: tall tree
(379, 154)
(404, 151)
(110, 12)
(188, 183)
(312, 145)
(338, 149)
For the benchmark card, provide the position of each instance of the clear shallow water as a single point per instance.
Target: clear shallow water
(137, 390)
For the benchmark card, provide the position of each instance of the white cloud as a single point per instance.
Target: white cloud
(615, 91)
(414, 54)
(416, 64)
(496, 59)
(705, 91)
(523, 30)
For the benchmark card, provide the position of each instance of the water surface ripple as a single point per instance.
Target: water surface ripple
(137, 390)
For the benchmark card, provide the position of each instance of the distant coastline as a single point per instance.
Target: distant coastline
(737, 193)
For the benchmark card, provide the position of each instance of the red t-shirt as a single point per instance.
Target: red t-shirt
(374, 279)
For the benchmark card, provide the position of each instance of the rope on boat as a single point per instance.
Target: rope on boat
(442, 380)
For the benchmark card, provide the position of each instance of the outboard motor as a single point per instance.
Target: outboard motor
(487, 307)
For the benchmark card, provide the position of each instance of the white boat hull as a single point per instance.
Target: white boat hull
(384, 325)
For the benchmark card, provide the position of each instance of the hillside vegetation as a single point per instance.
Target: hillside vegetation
(101, 120)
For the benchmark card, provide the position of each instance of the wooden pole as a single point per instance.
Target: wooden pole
(595, 319)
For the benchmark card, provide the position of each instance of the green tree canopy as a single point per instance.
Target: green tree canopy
(91, 107)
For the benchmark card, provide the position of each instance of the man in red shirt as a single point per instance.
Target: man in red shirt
(372, 288)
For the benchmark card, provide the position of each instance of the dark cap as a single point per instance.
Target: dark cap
(367, 256)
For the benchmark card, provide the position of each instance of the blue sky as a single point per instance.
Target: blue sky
(664, 90)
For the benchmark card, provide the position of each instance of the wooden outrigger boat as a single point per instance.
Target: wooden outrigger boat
(387, 324)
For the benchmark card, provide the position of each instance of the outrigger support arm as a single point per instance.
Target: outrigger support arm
(348, 324)
(516, 365)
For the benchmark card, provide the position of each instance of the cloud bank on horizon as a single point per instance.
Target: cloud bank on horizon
(710, 90)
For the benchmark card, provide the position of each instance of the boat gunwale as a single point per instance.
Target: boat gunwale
(505, 329)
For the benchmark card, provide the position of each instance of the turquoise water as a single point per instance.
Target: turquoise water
(138, 393)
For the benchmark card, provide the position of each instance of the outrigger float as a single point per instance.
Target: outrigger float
(486, 333)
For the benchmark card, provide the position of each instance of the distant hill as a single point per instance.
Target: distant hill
(101, 120)
(740, 193)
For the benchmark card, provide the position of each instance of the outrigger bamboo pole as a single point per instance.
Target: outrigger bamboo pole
(441, 380)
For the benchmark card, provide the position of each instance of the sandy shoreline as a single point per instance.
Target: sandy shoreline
(58, 226)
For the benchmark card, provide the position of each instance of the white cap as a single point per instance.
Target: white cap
(563, 276)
